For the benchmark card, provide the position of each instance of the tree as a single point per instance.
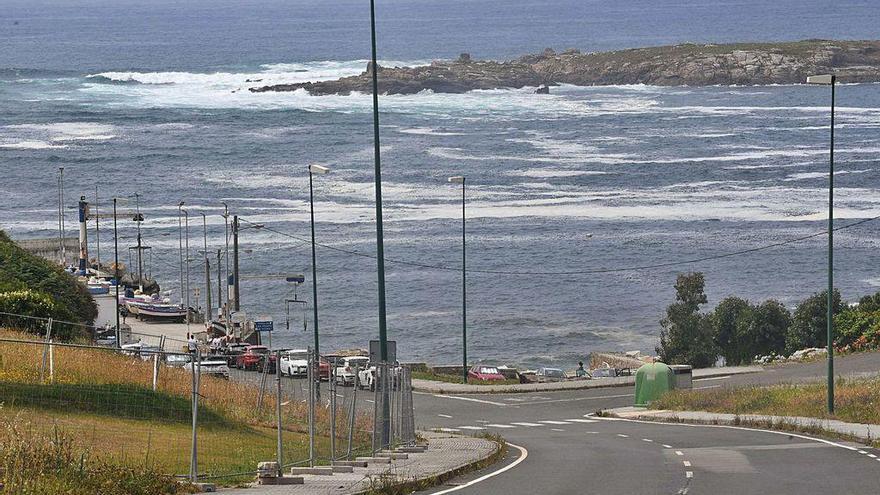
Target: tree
(869, 304)
(809, 322)
(727, 317)
(686, 335)
(765, 331)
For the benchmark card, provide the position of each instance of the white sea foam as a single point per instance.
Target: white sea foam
(32, 145)
(549, 174)
(427, 131)
(823, 175)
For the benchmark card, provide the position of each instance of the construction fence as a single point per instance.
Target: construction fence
(195, 415)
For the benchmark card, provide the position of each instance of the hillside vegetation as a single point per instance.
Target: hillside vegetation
(33, 286)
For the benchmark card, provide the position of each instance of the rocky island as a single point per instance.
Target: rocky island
(688, 64)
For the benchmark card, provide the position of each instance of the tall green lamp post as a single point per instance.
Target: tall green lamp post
(829, 80)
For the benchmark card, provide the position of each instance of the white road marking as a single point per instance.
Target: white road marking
(687, 463)
(448, 430)
(553, 422)
(592, 432)
(621, 435)
(678, 452)
(708, 386)
(863, 452)
(493, 425)
(444, 416)
(667, 446)
(578, 420)
(557, 429)
(527, 424)
(471, 427)
(523, 455)
(470, 399)
(743, 428)
(872, 456)
(481, 421)
(647, 440)
(688, 474)
(371, 401)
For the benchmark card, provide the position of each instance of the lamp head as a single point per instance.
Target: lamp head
(318, 169)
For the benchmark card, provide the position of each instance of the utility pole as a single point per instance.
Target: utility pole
(226, 295)
(219, 285)
(180, 245)
(235, 284)
(97, 231)
(138, 218)
(116, 273)
(62, 227)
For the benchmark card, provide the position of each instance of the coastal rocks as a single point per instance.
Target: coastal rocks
(543, 90)
(689, 64)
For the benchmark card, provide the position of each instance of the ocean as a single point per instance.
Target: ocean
(151, 98)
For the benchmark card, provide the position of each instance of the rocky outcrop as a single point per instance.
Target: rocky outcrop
(690, 64)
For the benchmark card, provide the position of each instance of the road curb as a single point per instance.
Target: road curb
(435, 387)
(423, 483)
(866, 434)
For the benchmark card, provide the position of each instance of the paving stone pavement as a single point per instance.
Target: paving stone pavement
(445, 453)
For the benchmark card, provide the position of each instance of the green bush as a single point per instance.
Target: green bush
(22, 272)
(810, 320)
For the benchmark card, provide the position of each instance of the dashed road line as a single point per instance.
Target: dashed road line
(678, 452)
(667, 446)
(448, 430)
(862, 452)
(471, 428)
(554, 422)
(621, 435)
(444, 416)
(686, 463)
(647, 440)
(579, 420)
(557, 429)
(872, 456)
(527, 424)
(493, 425)
(688, 474)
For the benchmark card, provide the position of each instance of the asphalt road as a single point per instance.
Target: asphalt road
(566, 450)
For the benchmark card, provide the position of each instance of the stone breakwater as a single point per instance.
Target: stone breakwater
(678, 65)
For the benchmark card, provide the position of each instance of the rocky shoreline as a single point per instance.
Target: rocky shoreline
(679, 65)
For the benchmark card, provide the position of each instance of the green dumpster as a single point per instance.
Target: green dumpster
(652, 381)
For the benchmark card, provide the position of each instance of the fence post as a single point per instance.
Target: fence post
(278, 408)
(155, 371)
(352, 407)
(310, 374)
(376, 394)
(332, 387)
(46, 349)
(194, 459)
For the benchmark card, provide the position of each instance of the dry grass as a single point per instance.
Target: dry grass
(446, 378)
(105, 402)
(856, 401)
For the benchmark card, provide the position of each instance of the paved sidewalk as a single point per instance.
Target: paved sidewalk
(445, 453)
(435, 387)
(864, 432)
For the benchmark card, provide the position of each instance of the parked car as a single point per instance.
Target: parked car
(324, 369)
(294, 362)
(485, 373)
(211, 367)
(603, 373)
(141, 350)
(254, 357)
(550, 374)
(177, 360)
(367, 376)
(346, 366)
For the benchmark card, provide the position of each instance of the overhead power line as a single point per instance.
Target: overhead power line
(576, 272)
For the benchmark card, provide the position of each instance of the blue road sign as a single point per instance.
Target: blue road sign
(263, 326)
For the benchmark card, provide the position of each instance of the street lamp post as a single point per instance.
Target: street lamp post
(208, 310)
(180, 245)
(380, 242)
(829, 80)
(186, 263)
(321, 170)
(226, 226)
(464, 363)
(116, 273)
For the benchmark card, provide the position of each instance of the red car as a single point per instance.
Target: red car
(253, 358)
(485, 373)
(324, 369)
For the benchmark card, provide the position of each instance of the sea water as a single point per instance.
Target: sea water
(569, 195)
